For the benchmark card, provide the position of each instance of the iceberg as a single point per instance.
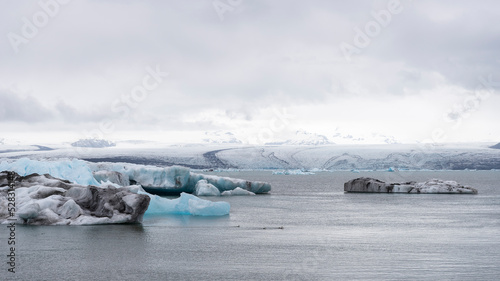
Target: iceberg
(76, 171)
(174, 179)
(237, 191)
(203, 188)
(371, 185)
(58, 198)
(156, 180)
(45, 200)
(292, 172)
(187, 204)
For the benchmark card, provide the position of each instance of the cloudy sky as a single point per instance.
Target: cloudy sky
(415, 70)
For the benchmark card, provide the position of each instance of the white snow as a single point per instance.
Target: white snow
(302, 137)
(220, 137)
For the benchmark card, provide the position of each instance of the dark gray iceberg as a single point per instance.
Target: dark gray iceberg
(45, 200)
(371, 185)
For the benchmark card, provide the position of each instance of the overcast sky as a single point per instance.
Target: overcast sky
(415, 70)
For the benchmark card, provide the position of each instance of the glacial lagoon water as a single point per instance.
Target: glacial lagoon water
(306, 229)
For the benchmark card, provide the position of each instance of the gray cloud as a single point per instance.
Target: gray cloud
(24, 109)
(263, 54)
(28, 109)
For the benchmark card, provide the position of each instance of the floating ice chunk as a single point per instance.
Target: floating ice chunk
(203, 188)
(370, 185)
(176, 179)
(292, 172)
(173, 179)
(200, 207)
(237, 191)
(225, 183)
(186, 204)
(44, 200)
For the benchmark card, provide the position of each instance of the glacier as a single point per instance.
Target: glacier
(62, 207)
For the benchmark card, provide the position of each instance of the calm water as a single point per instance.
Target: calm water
(326, 235)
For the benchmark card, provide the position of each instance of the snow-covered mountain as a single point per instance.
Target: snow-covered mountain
(497, 146)
(96, 143)
(220, 137)
(302, 137)
(370, 138)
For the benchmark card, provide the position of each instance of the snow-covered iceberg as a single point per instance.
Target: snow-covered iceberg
(371, 185)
